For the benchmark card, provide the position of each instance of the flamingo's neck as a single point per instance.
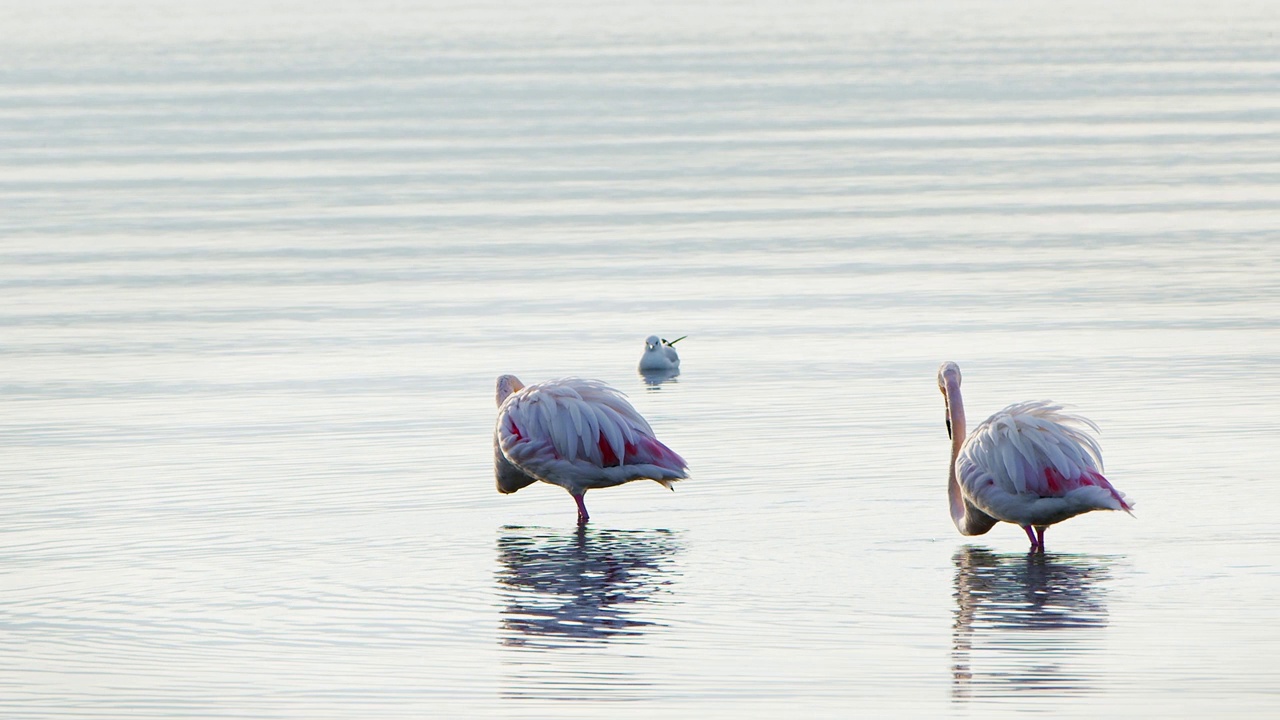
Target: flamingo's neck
(969, 520)
(955, 416)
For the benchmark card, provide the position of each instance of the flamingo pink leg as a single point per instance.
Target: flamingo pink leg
(1040, 536)
(583, 517)
(1035, 544)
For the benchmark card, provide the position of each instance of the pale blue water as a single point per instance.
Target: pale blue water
(262, 264)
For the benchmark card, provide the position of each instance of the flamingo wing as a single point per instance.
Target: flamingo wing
(581, 433)
(1034, 449)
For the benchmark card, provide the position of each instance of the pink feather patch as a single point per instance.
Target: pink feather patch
(1053, 479)
(610, 458)
(1058, 485)
(1094, 478)
(658, 454)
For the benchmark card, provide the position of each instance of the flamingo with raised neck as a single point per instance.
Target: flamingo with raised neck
(1030, 464)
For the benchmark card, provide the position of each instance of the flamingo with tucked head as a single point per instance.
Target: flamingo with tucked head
(1029, 464)
(578, 434)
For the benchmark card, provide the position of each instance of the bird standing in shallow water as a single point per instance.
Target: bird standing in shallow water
(578, 434)
(659, 355)
(1029, 464)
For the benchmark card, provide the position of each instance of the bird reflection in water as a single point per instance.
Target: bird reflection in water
(1026, 623)
(653, 379)
(562, 588)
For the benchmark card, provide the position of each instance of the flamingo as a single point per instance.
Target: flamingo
(578, 434)
(1029, 464)
(660, 355)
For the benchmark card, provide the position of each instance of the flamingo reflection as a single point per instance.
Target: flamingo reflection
(1026, 622)
(560, 588)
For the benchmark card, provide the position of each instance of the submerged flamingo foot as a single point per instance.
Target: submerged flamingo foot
(583, 517)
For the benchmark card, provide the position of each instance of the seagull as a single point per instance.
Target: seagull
(660, 355)
(1030, 464)
(578, 434)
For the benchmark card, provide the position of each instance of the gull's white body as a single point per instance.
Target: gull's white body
(578, 434)
(1029, 464)
(659, 355)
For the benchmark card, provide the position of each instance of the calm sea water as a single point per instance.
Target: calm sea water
(261, 265)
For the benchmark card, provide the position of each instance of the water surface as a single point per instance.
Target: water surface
(262, 264)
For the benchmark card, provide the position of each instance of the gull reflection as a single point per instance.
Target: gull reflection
(1026, 622)
(654, 378)
(564, 587)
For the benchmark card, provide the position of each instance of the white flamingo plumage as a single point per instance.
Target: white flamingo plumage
(660, 355)
(578, 434)
(1029, 464)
